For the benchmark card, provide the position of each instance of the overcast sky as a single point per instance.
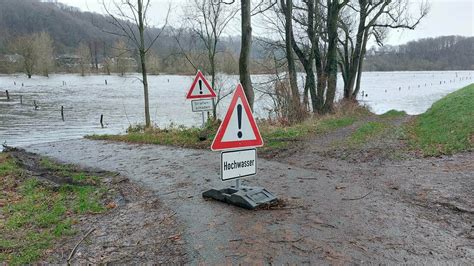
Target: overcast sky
(446, 17)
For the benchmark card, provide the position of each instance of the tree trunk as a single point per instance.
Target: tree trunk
(213, 85)
(295, 109)
(311, 87)
(246, 43)
(318, 100)
(331, 67)
(352, 71)
(321, 88)
(307, 59)
(360, 66)
(142, 51)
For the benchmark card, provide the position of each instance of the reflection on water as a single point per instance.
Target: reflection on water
(121, 101)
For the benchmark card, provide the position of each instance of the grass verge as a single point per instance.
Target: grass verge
(33, 215)
(447, 127)
(368, 131)
(393, 114)
(275, 135)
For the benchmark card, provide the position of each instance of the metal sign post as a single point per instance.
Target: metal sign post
(203, 120)
(201, 90)
(237, 137)
(202, 106)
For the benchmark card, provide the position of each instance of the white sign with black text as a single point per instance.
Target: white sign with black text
(240, 163)
(201, 105)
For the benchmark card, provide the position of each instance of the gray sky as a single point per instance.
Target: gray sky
(446, 17)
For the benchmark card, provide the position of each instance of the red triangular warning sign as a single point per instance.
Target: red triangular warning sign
(238, 129)
(200, 88)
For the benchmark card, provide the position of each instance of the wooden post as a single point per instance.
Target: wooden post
(34, 103)
(105, 82)
(102, 120)
(62, 112)
(21, 99)
(8, 95)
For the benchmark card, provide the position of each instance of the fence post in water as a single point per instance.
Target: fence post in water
(62, 112)
(105, 82)
(21, 99)
(102, 120)
(34, 103)
(8, 95)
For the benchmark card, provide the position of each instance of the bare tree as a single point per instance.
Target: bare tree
(25, 47)
(246, 43)
(121, 57)
(296, 110)
(43, 47)
(306, 45)
(94, 49)
(36, 51)
(153, 62)
(333, 10)
(130, 18)
(362, 20)
(107, 60)
(84, 58)
(313, 38)
(208, 19)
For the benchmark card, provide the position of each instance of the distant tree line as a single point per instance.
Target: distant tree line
(72, 30)
(440, 53)
(317, 37)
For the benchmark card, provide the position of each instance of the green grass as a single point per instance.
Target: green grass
(36, 216)
(367, 131)
(172, 136)
(69, 171)
(7, 167)
(275, 136)
(393, 113)
(447, 127)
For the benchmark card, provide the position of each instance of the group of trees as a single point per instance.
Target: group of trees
(327, 35)
(318, 37)
(36, 53)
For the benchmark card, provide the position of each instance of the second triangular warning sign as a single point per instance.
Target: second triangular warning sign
(238, 129)
(200, 88)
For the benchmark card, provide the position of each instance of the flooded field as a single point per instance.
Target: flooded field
(85, 99)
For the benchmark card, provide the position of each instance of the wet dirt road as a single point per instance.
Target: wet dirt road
(333, 214)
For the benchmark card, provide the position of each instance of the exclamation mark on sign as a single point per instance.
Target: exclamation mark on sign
(200, 86)
(239, 120)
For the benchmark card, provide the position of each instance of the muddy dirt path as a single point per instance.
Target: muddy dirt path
(113, 236)
(336, 212)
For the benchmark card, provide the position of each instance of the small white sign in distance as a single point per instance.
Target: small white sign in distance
(201, 105)
(240, 163)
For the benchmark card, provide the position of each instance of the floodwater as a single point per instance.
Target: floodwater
(85, 99)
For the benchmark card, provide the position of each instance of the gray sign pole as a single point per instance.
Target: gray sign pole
(203, 120)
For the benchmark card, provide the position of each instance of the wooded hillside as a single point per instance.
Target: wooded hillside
(441, 53)
(69, 27)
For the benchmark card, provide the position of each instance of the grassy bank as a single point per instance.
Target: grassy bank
(37, 212)
(275, 135)
(447, 127)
